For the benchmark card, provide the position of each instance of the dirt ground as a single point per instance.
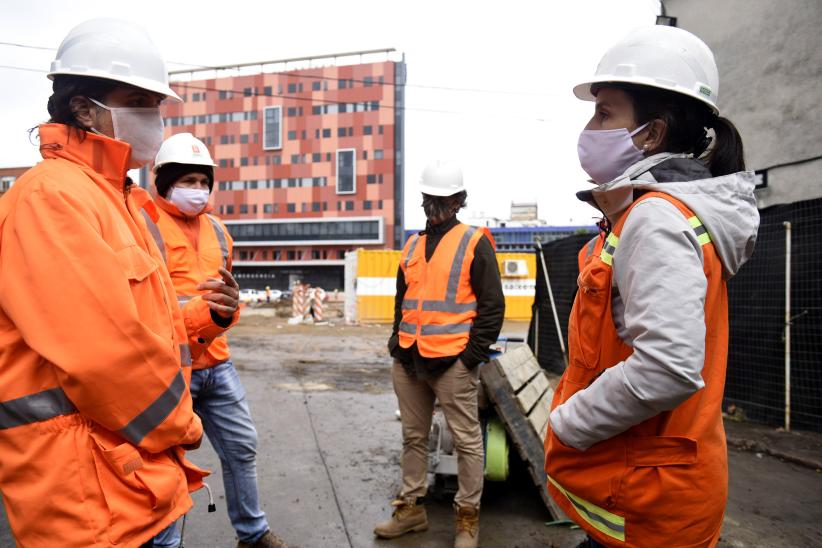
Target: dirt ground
(328, 457)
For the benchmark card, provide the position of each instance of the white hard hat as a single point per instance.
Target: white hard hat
(183, 148)
(661, 57)
(116, 50)
(441, 178)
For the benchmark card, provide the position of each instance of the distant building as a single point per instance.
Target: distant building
(769, 54)
(8, 175)
(309, 154)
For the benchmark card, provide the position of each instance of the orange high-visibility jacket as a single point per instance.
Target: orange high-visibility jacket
(439, 304)
(662, 482)
(94, 402)
(194, 249)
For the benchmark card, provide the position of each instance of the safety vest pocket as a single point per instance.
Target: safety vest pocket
(134, 484)
(137, 265)
(591, 307)
(661, 451)
(413, 270)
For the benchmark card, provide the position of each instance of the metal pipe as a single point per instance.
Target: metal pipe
(787, 226)
(553, 304)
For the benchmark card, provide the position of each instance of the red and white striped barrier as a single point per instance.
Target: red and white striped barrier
(317, 303)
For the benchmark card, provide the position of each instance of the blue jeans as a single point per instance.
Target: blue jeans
(219, 400)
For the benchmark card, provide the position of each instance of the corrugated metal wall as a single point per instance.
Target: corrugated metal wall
(377, 278)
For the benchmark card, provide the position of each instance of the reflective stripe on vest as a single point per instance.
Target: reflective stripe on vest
(218, 231)
(36, 407)
(153, 415)
(590, 247)
(155, 233)
(449, 304)
(607, 253)
(185, 355)
(599, 518)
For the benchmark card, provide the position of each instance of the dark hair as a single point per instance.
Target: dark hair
(440, 206)
(687, 121)
(168, 174)
(66, 86)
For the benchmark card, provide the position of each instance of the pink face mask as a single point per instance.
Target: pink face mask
(605, 154)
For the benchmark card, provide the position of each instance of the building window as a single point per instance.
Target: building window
(367, 130)
(315, 207)
(272, 127)
(292, 88)
(291, 208)
(223, 139)
(244, 255)
(315, 86)
(378, 155)
(243, 161)
(229, 209)
(223, 162)
(346, 171)
(316, 157)
(315, 254)
(295, 158)
(381, 130)
(292, 255)
(340, 132)
(326, 133)
(267, 91)
(277, 160)
(292, 135)
(371, 179)
(247, 92)
(342, 84)
(341, 254)
(254, 209)
(351, 132)
(303, 207)
(366, 204)
(325, 206)
(368, 81)
(243, 139)
(365, 155)
(268, 208)
(379, 178)
(243, 208)
(276, 255)
(349, 205)
(276, 208)
(379, 204)
(327, 156)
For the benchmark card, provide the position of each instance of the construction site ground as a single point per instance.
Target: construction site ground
(329, 453)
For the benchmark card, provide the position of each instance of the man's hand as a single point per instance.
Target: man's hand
(224, 296)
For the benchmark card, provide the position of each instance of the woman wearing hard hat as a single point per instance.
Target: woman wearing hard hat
(635, 453)
(197, 248)
(94, 404)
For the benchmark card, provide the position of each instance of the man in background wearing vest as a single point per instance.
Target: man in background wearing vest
(449, 309)
(197, 249)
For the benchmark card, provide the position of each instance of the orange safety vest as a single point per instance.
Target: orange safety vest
(662, 482)
(439, 304)
(94, 403)
(194, 250)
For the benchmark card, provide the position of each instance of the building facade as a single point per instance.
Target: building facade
(309, 160)
(769, 56)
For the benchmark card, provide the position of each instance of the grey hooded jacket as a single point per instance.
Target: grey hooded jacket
(659, 291)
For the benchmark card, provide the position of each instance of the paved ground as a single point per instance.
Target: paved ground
(329, 457)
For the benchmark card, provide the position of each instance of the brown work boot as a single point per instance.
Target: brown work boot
(408, 517)
(467, 528)
(268, 540)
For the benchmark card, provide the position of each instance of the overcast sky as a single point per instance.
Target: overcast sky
(511, 120)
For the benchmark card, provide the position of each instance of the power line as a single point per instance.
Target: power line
(312, 100)
(199, 68)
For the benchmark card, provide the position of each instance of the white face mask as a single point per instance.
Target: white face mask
(142, 128)
(605, 154)
(190, 201)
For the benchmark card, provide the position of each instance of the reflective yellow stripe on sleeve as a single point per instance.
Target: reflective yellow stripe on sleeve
(702, 235)
(600, 519)
(607, 253)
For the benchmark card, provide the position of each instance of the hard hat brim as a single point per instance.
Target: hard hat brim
(192, 164)
(583, 90)
(134, 81)
(438, 191)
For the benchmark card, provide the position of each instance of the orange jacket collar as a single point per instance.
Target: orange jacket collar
(106, 156)
(172, 209)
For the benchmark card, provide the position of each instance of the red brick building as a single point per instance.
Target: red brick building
(8, 175)
(309, 160)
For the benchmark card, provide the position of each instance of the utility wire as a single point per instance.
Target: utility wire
(313, 100)
(199, 68)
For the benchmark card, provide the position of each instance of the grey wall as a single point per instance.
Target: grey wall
(769, 54)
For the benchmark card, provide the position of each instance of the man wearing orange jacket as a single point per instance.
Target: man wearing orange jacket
(94, 357)
(196, 245)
